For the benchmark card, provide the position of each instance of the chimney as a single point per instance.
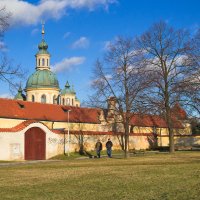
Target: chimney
(111, 108)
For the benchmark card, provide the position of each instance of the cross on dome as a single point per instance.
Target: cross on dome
(43, 32)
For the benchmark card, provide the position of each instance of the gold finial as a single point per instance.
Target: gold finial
(43, 23)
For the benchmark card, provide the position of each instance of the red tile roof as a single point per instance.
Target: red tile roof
(179, 112)
(19, 127)
(26, 123)
(152, 120)
(17, 109)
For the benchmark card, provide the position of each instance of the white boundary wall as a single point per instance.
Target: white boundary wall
(12, 143)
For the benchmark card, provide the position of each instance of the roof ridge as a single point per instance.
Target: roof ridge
(20, 126)
(46, 112)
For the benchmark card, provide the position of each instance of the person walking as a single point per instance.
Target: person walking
(109, 145)
(98, 148)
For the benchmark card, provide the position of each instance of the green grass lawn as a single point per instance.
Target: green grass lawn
(148, 176)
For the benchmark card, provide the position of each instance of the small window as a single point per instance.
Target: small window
(58, 100)
(64, 109)
(68, 101)
(43, 61)
(33, 98)
(43, 98)
(47, 62)
(72, 102)
(21, 105)
(76, 105)
(38, 62)
(63, 101)
(54, 99)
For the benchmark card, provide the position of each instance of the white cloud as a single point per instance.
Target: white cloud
(108, 77)
(66, 35)
(3, 47)
(107, 45)
(68, 63)
(26, 13)
(81, 43)
(34, 31)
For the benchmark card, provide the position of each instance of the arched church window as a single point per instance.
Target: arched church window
(43, 98)
(54, 99)
(63, 101)
(68, 101)
(47, 62)
(38, 62)
(33, 98)
(43, 61)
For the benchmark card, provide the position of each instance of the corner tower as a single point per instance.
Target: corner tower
(42, 86)
(68, 96)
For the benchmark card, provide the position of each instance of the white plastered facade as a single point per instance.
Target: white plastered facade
(12, 144)
(69, 99)
(50, 94)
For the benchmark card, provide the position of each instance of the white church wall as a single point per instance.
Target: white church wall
(39, 92)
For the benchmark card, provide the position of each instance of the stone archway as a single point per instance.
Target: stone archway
(35, 144)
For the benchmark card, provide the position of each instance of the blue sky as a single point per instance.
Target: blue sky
(77, 31)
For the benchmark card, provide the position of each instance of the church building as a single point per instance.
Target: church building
(48, 121)
(43, 86)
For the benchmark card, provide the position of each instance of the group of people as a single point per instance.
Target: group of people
(98, 148)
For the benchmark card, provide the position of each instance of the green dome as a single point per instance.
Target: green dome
(42, 79)
(68, 89)
(43, 46)
(20, 95)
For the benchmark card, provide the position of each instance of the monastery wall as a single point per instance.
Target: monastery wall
(9, 123)
(12, 143)
(89, 141)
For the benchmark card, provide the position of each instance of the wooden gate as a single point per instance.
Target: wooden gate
(35, 144)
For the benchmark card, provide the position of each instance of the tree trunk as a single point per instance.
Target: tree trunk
(171, 141)
(170, 130)
(168, 110)
(81, 146)
(122, 142)
(126, 154)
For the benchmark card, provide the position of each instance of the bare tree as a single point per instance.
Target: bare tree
(8, 73)
(119, 78)
(4, 17)
(194, 94)
(170, 60)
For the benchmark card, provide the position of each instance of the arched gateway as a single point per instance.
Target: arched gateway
(35, 144)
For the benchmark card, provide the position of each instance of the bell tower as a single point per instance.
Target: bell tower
(42, 86)
(42, 56)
